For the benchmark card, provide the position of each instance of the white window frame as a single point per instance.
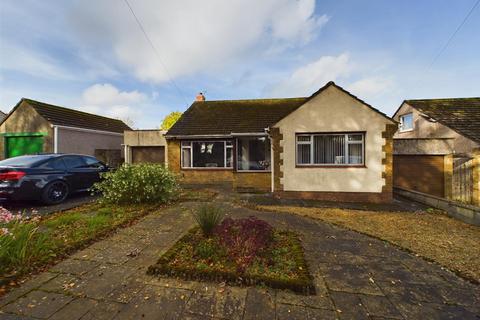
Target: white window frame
(347, 143)
(188, 145)
(402, 122)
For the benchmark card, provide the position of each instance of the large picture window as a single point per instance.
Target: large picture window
(207, 154)
(330, 149)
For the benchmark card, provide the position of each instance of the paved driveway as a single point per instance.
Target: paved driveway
(357, 277)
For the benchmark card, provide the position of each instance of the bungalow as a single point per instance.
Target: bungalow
(329, 146)
(35, 127)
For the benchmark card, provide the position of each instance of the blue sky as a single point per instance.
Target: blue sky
(92, 56)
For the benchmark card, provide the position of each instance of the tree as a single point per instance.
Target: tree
(170, 120)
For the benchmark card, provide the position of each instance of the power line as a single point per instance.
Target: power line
(170, 79)
(453, 35)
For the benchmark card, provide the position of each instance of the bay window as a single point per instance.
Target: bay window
(330, 149)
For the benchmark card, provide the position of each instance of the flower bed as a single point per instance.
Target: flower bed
(242, 252)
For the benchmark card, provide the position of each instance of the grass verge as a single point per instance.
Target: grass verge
(282, 265)
(434, 236)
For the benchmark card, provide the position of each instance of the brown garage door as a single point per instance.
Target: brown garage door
(420, 173)
(148, 154)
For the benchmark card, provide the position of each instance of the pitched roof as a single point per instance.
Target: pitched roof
(223, 117)
(242, 116)
(73, 118)
(459, 114)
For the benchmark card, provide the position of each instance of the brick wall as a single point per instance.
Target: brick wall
(252, 181)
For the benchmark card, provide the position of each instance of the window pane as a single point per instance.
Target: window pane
(303, 138)
(354, 137)
(74, 162)
(303, 154)
(253, 154)
(208, 154)
(186, 157)
(329, 149)
(406, 122)
(355, 154)
(229, 157)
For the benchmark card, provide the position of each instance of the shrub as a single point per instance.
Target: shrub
(208, 217)
(140, 183)
(244, 239)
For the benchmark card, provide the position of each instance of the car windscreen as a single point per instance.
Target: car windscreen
(23, 161)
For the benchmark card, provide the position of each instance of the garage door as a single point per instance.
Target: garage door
(419, 173)
(148, 154)
(21, 145)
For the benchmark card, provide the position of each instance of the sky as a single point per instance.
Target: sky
(93, 56)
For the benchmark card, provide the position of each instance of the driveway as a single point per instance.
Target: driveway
(356, 277)
(26, 207)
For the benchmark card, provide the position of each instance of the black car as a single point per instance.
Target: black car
(49, 178)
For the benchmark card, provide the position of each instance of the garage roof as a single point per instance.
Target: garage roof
(73, 118)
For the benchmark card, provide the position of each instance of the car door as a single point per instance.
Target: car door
(93, 169)
(77, 173)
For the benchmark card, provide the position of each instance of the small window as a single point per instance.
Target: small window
(406, 122)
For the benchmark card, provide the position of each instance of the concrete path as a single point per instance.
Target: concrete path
(357, 277)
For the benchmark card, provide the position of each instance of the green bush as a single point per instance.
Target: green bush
(140, 183)
(207, 218)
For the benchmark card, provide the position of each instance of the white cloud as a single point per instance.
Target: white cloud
(107, 100)
(370, 86)
(193, 36)
(309, 78)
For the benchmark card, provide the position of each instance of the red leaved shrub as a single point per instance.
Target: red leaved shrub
(244, 239)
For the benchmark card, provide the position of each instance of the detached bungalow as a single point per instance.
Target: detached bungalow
(329, 146)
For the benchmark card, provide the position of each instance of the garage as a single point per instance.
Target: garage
(422, 173)
(19, 145)
(148, 154)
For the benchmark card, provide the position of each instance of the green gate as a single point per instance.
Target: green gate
(18, 144)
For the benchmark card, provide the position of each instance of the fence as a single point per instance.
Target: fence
(462, 179)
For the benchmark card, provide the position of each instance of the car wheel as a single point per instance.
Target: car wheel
(55, 192)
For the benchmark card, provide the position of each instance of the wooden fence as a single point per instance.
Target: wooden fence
(462, 179)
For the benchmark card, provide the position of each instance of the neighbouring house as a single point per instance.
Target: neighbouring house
(437, 148)
(328, 146)
(3, 115)
(35, 127)
(145, 146)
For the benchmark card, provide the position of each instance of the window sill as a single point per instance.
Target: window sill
(330, 166)
(402, 131)
(253, 171)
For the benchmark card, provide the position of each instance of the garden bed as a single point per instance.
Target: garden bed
(280, 265)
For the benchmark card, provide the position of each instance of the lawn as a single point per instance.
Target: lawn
(434, 236)
(280, 265)
(35, 244)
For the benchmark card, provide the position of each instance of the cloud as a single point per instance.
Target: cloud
(107, 100)
(371, 86)
(308, 78)
(193, 36)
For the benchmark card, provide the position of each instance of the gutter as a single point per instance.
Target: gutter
(55, 126)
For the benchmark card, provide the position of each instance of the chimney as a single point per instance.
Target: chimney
(200, 97)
